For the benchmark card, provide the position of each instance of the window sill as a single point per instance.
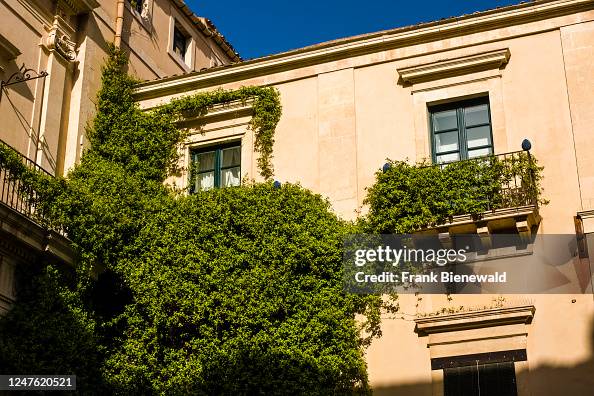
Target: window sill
(179, 61)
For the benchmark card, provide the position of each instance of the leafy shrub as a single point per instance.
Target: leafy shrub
(408, 197)
(229, 291)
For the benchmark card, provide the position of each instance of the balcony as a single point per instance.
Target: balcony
(498, 193)
(13, 191)
(483, 195)
(24, 231)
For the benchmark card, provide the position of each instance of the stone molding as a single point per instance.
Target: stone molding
(474, 319)
(453, 67)
(27, 239)
(75, 7)
(16, 251)
(365, 44)
(7, 50)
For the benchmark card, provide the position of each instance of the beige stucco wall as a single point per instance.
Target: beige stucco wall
(344, 115)
(353, 113)
(45, 119)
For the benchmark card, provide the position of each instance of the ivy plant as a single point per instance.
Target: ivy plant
(227, 291)
(406, 197)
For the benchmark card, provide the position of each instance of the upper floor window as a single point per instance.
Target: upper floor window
(180, 42)
(136, 5)
(461, 130)
(216, 166)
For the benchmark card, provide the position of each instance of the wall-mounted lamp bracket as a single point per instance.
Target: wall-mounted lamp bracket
(22, 75)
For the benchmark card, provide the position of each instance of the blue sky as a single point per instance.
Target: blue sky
(263, 27)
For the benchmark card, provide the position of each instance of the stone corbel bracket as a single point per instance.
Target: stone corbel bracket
(59, 39)
(522, 219)
(454, 67)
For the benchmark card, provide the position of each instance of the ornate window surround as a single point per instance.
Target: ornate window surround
(222, 124)
(460, 75)
(481, 332)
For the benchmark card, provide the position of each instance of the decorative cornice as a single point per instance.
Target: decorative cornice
(33, 8)
(17, 251)
(453, 67)
(75, 7)
(365, 44)
(223, 111)
(475, 319)
(219, 115)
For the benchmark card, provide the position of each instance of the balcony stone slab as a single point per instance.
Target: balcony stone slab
(523, 220)
(25, 239)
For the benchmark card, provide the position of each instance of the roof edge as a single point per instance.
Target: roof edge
(366, 43)
(208, 28)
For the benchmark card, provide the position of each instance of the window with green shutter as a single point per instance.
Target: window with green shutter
(461, 130)
(216, 166)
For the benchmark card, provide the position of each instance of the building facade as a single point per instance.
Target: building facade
(51, 52)
(450, 90)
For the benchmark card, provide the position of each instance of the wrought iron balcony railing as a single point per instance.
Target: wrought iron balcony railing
(499, 181)
(14, 193)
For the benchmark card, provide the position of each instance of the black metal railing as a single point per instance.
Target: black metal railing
(519, 185)
(494, 182)
(14, 193)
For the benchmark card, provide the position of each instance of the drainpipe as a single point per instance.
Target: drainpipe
(119, 23)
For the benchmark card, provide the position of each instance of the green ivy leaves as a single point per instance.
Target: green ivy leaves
(228, 291)
(266, 114)
(408, 197)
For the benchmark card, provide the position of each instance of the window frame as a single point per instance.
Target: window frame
(187, 61)
(136, 6)
(459, 106)
(218, 163)
(187, 38)
(456, 379)
(504, 361)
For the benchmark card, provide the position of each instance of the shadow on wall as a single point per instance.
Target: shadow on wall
(577, 380)
(419, 389)
(546, 380)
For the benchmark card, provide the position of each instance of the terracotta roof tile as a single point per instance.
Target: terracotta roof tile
(210, 30)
